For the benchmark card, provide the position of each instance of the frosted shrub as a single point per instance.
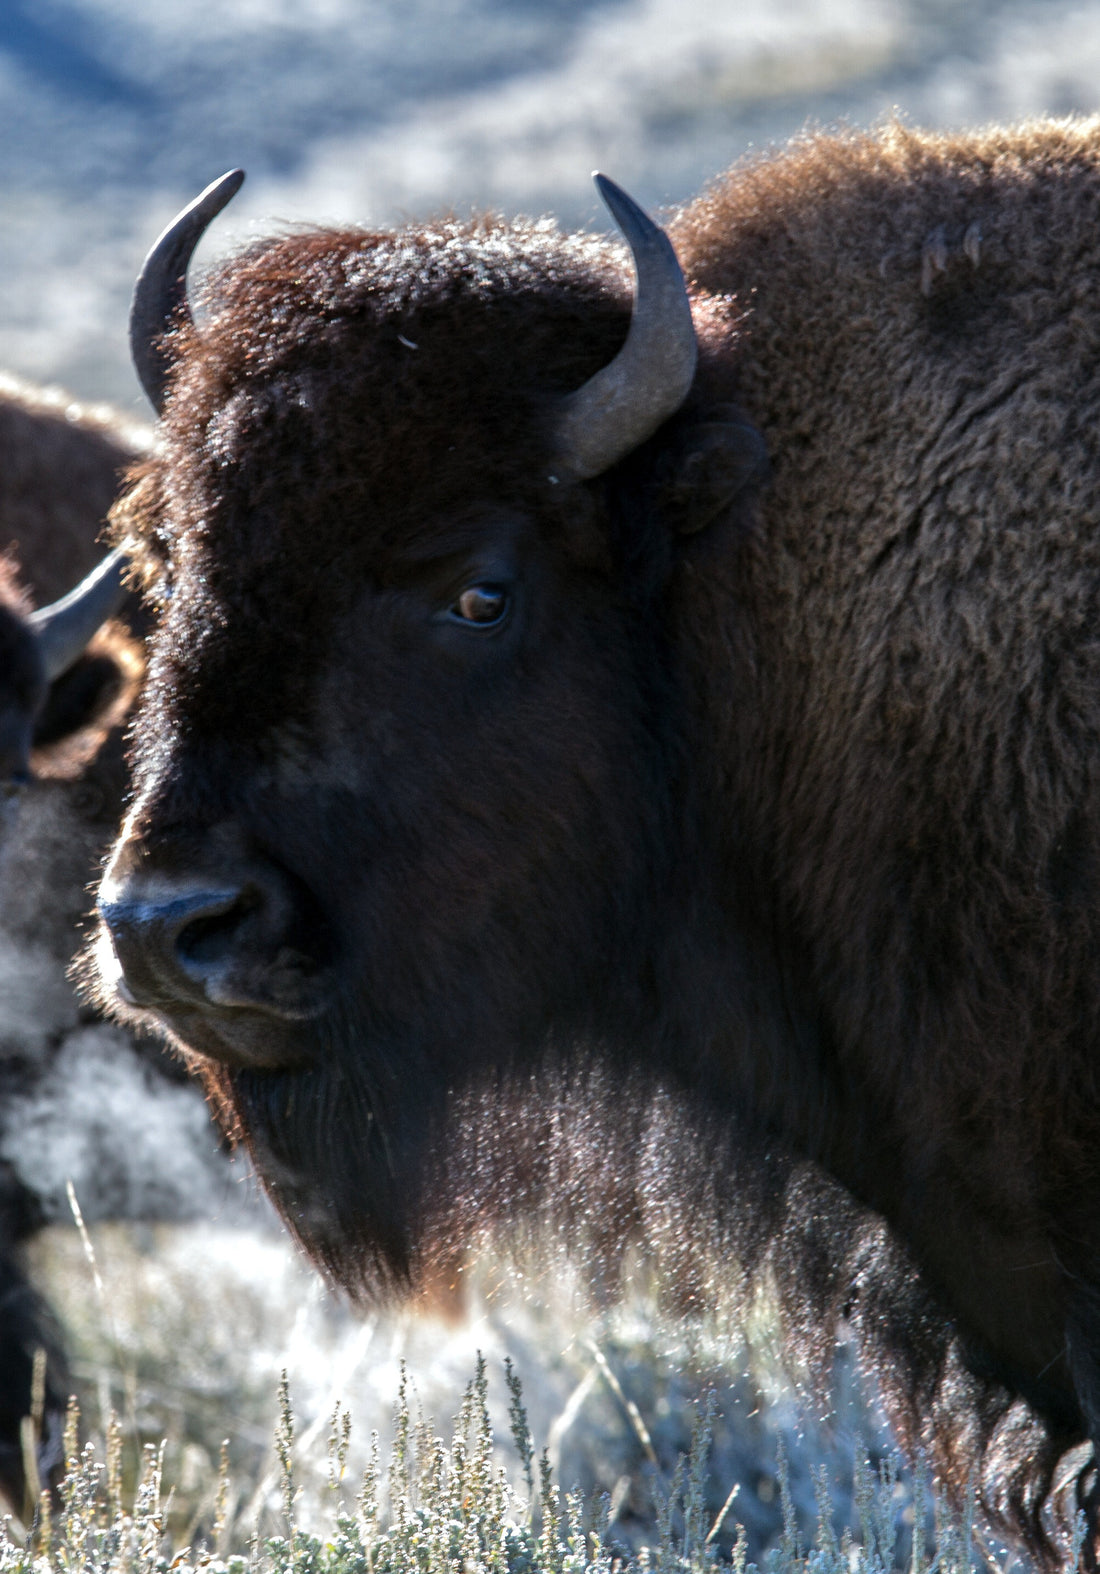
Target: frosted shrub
(447, 1508)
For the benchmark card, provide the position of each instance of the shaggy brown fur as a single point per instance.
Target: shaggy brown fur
(924, 793)
(61, 462)
(759, 844)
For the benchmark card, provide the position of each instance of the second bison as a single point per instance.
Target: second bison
(82, 1104)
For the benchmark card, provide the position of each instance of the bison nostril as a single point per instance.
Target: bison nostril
(206, 939)
(147, 927)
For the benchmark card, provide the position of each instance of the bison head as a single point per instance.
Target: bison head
(408, 810)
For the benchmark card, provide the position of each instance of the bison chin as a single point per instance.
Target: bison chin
(380, 1183)
(350, 1183)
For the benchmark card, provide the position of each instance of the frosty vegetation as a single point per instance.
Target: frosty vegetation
(439, 1507)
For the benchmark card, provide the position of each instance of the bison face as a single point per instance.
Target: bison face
(466, 736)
(436, 848)
(408, 811)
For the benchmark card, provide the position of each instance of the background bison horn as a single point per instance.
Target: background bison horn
(648, 380)
(160, 294)
(63, 629)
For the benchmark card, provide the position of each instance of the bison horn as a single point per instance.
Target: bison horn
(63, 629)
(160, 294)
(649, 379)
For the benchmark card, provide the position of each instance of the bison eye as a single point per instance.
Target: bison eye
(483, 605)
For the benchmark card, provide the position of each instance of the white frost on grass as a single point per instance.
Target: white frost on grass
(195, 1325)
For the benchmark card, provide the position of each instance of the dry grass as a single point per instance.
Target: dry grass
(181, 1333)
(450, 1507)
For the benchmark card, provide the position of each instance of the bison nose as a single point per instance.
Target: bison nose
(236, 943)
(167, 945)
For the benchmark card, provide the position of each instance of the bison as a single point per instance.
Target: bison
(624, 759)
(64, 707)
(80, 1100)
(60, 467)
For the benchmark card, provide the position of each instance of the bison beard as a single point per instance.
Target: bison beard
(496, 709)
(351, 1186)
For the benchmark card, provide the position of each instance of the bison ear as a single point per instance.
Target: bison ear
(78, 698)
(713, 463)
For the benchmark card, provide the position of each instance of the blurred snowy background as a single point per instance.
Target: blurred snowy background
(113, 113)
